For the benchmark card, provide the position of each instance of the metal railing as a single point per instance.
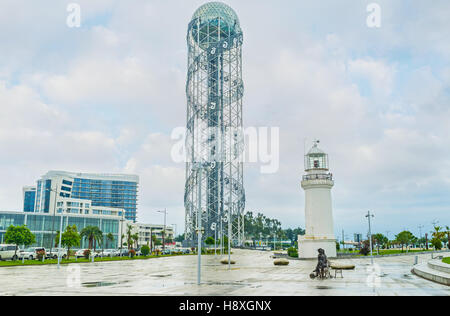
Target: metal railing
(318, 176)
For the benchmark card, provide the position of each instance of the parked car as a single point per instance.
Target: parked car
(55, 252)
(123, 252)
(80, 253)
(30, 253)
(8, 252)
(110, 253)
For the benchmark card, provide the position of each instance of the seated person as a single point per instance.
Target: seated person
(322, 262)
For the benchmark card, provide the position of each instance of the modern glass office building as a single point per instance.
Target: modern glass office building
(29, 198)
(102, 190)
(44, 226)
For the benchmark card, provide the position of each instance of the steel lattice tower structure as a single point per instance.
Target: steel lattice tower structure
(214, 138)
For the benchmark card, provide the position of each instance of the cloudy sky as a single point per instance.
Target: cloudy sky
(105, 97)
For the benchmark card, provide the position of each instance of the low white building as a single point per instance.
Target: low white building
(84, 207)
(145, 231)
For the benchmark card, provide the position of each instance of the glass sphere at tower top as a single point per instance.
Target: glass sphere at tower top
(212, 10)
(212, 22)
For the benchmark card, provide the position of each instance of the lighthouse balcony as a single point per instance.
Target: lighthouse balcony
(318, 176)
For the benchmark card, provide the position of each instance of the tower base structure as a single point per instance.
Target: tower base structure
(308, 247)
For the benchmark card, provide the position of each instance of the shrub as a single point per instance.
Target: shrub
(40, 254)
(292, 252)
(132, 253)
(145, 250)
(87, 253)
(365, 250)
(437, 243)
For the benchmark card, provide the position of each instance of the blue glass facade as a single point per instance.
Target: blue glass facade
(108, 193)
(43, 190)
(29, 200)
(44, 227)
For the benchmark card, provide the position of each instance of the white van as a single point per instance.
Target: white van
(8, 252)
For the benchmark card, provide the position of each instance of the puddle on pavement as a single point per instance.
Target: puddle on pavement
(323, 287)
(160, 275)
(97, 284)
(101, 284)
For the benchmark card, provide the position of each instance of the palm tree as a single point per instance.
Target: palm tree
(448, 236)
(92, 234)
(109, 238)
(135, 238)
(129, 236)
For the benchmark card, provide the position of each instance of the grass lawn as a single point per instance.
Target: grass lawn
(384, 252)
(398, 251)
(446, 260)
(80, 260)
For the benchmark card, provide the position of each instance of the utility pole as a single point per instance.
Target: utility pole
(369, 216)
(420, 231)
(343, 240)
(387, 236)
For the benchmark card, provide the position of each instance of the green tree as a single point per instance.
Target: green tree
(447, 228)
(129, 236)
(438, 235)
(156, 241)
(19, 235)
(135, 240)
(70, 238)
(225, 242)
(436, 243)
(405, 238)
(145, 250)
(379, 240)
(179, 238)
(109, 239)
(210, 241)
(92, 234)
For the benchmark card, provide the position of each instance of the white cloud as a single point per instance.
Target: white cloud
(105, 97)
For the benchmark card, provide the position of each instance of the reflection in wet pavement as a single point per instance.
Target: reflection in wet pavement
(253, 274)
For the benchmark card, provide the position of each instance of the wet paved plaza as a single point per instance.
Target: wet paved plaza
(253, 274)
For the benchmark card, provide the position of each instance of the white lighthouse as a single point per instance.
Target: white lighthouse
(317, 183)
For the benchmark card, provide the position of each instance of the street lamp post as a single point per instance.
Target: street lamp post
(370, 235)
(121, 233)
(198, 167)
(199, 229)
(151, 240)
(230, 223)
(175, 226)
(164, 230)
(53, 217)
(222, 219)
(214, 227)
(60, 237)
